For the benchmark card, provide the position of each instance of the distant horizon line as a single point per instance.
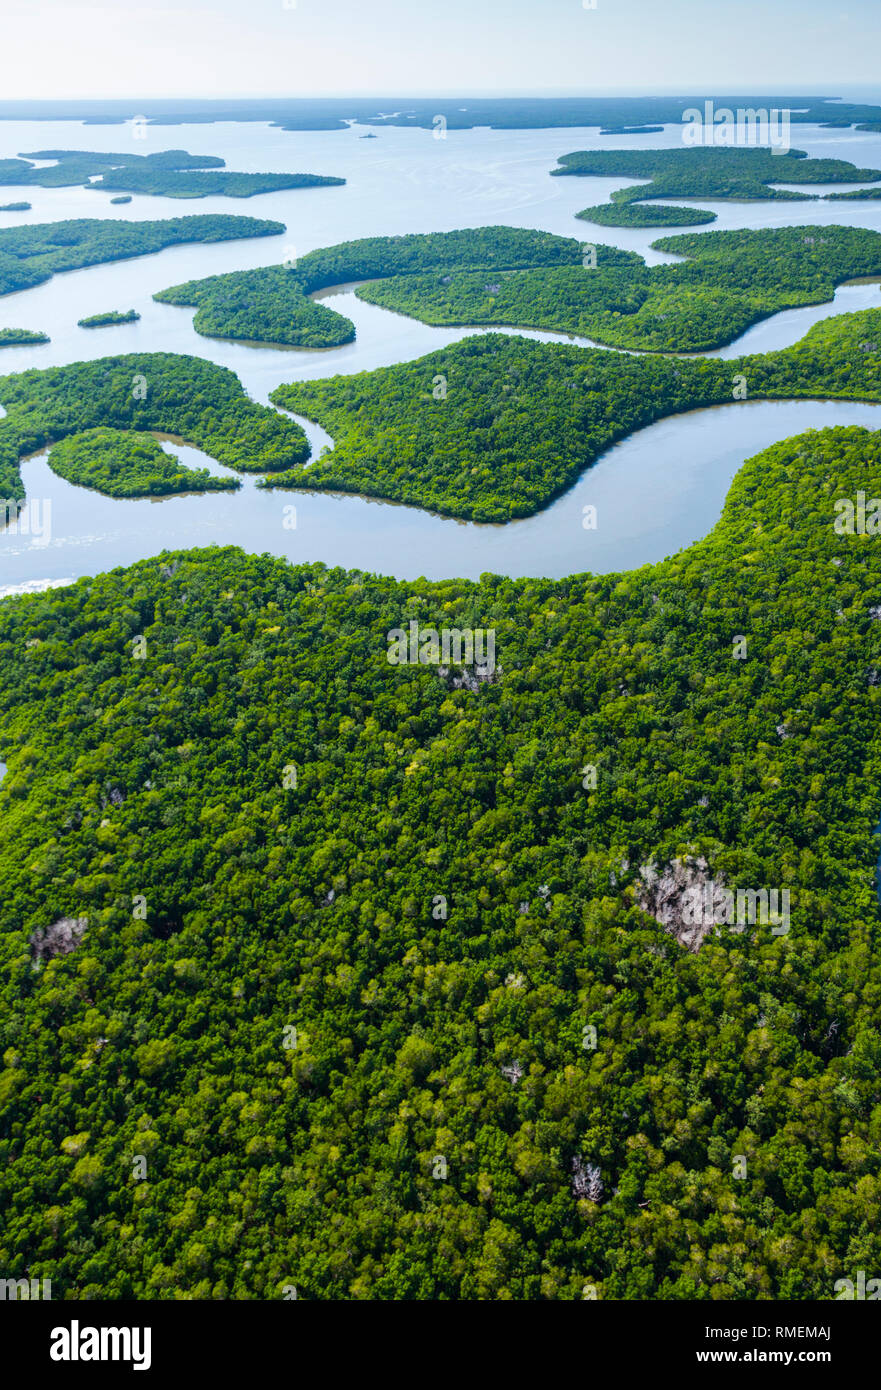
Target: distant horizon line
(825, 90)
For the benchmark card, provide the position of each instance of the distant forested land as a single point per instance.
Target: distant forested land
(739, 174)
(494, 427)
(113, 316)
(461, 113)
(15, 337)
(31, 254)
(72, 167)
(166, 392)
(717, 173)
(367, 979)
(169, 173)
(15, 207)
(856, 194)
(200, 184)
(129, 463)
(729, 281)
(103, 159)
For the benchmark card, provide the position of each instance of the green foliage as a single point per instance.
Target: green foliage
(859, 194)
(500, 113)
(265, 305)
(159, 783)
(14, 337)
(712, 172)
(202, 403)
(31, 254)
(494, 427)
(271, 304)
(170, 173)
(200, 184)
(717, 173)
(113, 316)
(128, 463)
(15, 207)
(491, 248)
(70, 167)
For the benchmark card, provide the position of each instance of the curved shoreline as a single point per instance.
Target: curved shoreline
(640, 518)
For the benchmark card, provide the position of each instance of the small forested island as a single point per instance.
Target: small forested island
(15, 207)
(395, 925)
(517, 277)
(17, 337)
(123, 198)
(108, 319)
(169, 173)
(201, 184)
(31, 254)
(745, 175)
(494, 427)
(645, 215)
(129, 463)
(632, 130)
(153, 391)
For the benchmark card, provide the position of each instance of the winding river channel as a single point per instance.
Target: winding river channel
(654, 493)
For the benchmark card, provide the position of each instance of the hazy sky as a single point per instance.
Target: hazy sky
(197, 48)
